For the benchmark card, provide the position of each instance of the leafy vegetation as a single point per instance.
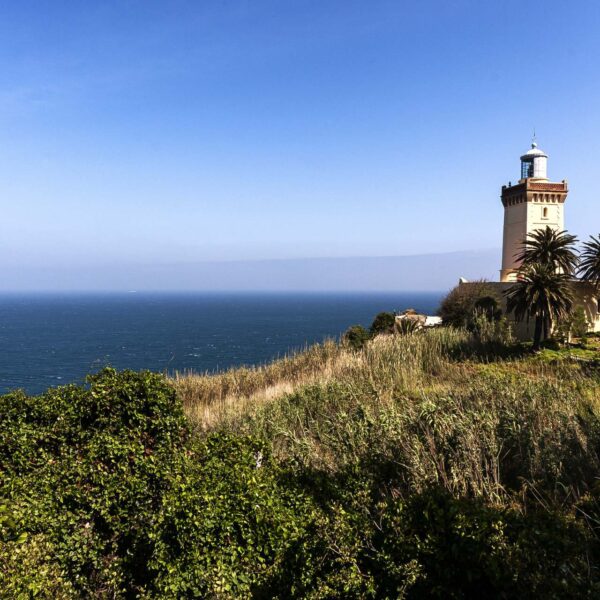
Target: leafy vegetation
(542, 294)
(383, 323)
(589, 261)
(459, 306)
(427, 465)
(356, 337)
(573, 325)
(550, 248)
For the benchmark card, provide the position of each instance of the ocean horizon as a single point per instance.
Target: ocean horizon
(49, 338)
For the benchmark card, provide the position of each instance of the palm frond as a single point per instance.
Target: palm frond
(589, 263)
(549, 247)
(540, 292)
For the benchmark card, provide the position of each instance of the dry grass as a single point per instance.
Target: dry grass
(209, 398)
(440, 407)
(386, 364)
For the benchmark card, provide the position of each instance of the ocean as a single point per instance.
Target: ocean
(50, 339)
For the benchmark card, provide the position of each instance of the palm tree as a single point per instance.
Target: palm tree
(541, 293)
(589, 262)
(549, 247)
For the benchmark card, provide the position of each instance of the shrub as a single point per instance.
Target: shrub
(84, 471)
(578, 323)
(356, 337)
(110, 496)
(489, 307)
(407, 326)
(460, 548)
(28, 568)
(403, 473)
(458, 307)
(486, 330)
(383, 323)
(226, 523)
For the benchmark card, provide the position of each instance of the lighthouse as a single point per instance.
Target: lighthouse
(533, 203)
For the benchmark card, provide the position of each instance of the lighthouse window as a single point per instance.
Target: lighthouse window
(545, 212)
(526, 169)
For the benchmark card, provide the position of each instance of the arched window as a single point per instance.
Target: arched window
(545, 212)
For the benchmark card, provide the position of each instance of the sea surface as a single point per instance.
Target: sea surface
(48, 340)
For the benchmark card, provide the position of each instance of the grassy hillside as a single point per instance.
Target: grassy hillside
(430, 465)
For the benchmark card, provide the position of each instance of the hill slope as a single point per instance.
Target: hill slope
(431, 465)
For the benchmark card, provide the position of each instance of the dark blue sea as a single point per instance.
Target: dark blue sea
(49, 340)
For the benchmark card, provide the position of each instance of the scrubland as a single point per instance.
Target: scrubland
(434, 464)
(476, 418)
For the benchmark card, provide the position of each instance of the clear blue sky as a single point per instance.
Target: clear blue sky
(147, 132)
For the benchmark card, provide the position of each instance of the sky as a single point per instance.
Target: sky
(141, 134)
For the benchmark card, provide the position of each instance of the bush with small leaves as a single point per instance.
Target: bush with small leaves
(383, 323)
(458, 307)
(356, 337)
(348, 488)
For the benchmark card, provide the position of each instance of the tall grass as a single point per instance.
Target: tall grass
(386, 363)
(441, 407)
(208, 398)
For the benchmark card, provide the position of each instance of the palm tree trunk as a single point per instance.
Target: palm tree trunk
(545, 329)
(537, 333)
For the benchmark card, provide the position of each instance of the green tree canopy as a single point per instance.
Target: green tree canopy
(589, 262)
(541, 293)
(356, 336)
(461, 303)
(383, 323)
(551, 248)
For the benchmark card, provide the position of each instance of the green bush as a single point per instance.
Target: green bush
(226, 522)
(356, 337)
(106, 493)
(458, 548)
(383, 323)
(575, 325)
(460, 304)
(86, 468)
(110, 496)
(432, 545)
(489, 307)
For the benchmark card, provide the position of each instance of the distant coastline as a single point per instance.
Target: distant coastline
(424, 272)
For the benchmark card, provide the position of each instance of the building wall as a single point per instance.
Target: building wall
(515, 231)
(523, 214)
(584, 295)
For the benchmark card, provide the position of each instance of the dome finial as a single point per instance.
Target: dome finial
(534, 140)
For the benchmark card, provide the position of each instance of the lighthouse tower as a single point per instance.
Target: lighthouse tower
(533, 203)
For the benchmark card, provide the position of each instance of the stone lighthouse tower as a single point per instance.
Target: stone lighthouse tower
(533, 203)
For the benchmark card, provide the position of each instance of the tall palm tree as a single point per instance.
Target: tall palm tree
(589, 261)
(541, 293)
(549, 247)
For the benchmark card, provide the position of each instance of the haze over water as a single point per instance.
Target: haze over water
(48, 340)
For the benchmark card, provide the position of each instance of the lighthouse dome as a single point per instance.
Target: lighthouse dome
(534, 163)
(533, 152)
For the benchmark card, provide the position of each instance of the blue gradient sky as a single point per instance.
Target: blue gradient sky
(142, 132)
